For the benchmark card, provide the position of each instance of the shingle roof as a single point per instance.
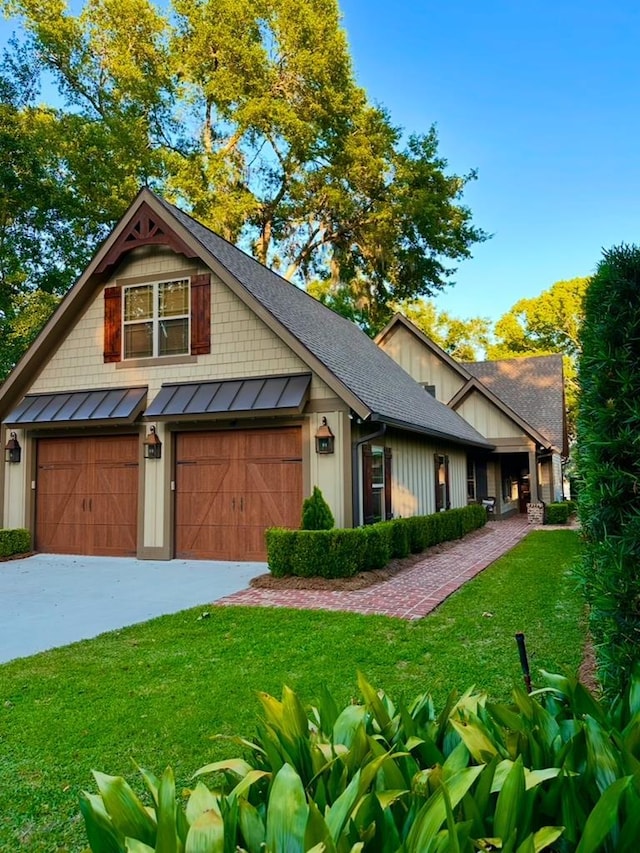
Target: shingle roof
(532, 387)
(389, 393)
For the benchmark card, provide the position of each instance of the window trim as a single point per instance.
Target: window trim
(155, 318)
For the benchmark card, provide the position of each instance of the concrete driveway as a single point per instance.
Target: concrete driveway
(49, 600)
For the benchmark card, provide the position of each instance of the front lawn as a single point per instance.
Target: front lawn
(154, 693)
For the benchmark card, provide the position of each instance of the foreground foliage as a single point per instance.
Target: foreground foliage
(555, 768)
(609, 461)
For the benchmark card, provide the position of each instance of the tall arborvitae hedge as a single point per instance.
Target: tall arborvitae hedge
(609, 461)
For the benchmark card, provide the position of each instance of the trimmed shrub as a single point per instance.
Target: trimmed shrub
(14, 541)
(557, 513)
(609, 462)
(379, 545)
(341, 553)
(316, 513)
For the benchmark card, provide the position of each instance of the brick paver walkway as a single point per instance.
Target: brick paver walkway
(413, 592)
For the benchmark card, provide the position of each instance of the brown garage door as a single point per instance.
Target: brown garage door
(87, 495)
(231, 486)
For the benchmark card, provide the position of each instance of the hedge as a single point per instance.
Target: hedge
(342, 553)
(558, 513)
(16, 541)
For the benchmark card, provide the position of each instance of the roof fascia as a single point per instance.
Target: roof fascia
(400, 320)
(432, 433)
(476, 385)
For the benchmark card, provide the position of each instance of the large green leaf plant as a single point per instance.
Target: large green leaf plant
(554, 770)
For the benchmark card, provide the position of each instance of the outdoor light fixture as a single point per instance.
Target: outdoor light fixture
(12, 450)
(324, 438)
(152, 445)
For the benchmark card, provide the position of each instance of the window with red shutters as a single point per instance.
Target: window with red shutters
(153, 323)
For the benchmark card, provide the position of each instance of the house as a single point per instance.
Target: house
(516, 404)
(183, 398)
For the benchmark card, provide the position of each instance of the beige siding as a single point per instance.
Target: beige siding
(16, 485)
(422, 364)
(329, 472)
(546, 481)
(413, 476)
(488, 419)
(241, 344)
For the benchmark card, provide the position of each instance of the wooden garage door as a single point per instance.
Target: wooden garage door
(231, 486)
(87, 495)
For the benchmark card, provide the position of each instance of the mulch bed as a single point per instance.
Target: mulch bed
(17, 557)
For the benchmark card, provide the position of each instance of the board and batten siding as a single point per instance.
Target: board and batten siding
(413, 475)
(242, 345)
(489, 421)
(421, 364)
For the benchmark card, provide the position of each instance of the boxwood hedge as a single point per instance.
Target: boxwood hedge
(14, 541)
(341, 553)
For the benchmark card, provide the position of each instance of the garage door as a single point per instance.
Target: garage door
(231, 486)
(87, 495)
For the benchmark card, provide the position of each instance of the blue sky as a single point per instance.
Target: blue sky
(541, 98)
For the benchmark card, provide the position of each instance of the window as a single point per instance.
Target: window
(471, 481)
(156, 319)
(165, 318)
(430, 389)
(443, 497)
(376, 484)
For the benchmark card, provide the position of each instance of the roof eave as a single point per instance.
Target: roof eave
(376, 417)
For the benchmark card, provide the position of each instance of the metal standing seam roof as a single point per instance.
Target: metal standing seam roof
(229, 396)
(390, 394)
(117, 405)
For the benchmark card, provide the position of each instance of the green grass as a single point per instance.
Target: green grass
(155, 693)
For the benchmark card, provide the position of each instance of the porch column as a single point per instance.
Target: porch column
(534, 485)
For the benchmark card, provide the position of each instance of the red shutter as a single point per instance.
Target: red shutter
(201, 314)
(112, 324)
(436, 470)
(387, 483)
(367, 484)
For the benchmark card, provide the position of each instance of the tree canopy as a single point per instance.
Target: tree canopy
(546, 324)
(247, 114)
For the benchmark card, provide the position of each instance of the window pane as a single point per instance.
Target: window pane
(377, 468)
(138, 302)
(173, 298)
(138, 340)
(377, 501)
(173, 337)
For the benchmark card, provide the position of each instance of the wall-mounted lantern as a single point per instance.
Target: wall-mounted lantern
(12, 450)
(152, 445)
(324, 438)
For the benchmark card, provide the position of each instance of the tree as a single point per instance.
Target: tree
(247, 114)
(461, 339)
(546, 324)
(609, 461)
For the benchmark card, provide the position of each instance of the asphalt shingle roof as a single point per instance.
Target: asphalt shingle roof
(354, 359)
(532, 387)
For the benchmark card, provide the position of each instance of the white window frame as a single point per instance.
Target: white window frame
(155, 319)
(379, 487)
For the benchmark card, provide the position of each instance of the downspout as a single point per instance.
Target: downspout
(355, 480)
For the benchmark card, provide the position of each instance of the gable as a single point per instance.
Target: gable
(241, 345)
(488, 419)
(421, 363)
